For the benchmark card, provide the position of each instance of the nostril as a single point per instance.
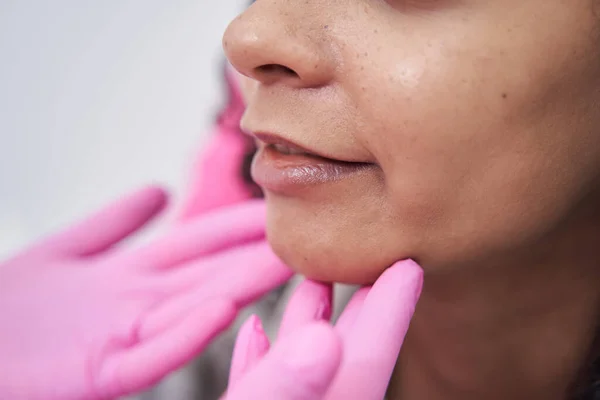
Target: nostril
(276, 69)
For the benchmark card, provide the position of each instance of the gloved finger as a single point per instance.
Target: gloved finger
(242, 274)
(110, 225)
(310, 302)
(168, 311)
(217, 168)
(250, 347)
(134, 369)
(346, 320)
(205, 235)
(259, 272)
(372, 346)
(300, 366)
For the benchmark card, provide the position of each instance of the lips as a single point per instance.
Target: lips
(284, 167)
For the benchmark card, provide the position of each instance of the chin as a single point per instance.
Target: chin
(333, 264)
(326, 247)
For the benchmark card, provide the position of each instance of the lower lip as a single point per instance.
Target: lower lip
(281, 173)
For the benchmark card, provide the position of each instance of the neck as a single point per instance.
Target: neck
(520, 328)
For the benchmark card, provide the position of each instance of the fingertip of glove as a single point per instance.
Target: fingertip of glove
(155, 195)
(406, 269)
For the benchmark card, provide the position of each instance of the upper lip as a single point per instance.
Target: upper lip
(273, 139)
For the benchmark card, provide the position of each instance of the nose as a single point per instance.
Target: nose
(272, 44)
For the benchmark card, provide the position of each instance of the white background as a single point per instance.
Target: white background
(97, 98)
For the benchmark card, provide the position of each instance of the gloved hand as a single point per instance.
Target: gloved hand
(217, 178)
(82, 318)
(313, 360)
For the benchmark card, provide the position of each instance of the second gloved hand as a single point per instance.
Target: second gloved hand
(83, 318)
(313, 360)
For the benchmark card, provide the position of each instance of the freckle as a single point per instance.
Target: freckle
(362, 68)
(366, 54)
(504, 95)
(326, 27)
(364, 89)
(316, 66)
(375, 30)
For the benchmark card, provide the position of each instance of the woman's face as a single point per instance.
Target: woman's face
(476, 123)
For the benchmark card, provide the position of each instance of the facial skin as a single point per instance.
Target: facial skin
(481, 116)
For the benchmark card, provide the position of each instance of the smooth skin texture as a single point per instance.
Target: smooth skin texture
(481, 118)
(85, 318)
(317, 361)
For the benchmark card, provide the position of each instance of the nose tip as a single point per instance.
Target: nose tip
(266, 50)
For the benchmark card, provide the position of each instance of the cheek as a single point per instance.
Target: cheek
(482, 166)
(465, 172)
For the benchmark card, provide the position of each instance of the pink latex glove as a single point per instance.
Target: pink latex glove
(81, 318)
(217, 172)
(313, 360)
